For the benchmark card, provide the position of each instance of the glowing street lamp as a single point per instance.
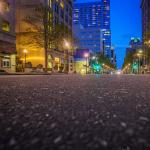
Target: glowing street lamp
(66, 44)
(148, 42)
(139, 55)
(86, 55)
(67, 47)
(140, 51)
(93, 57)
(25, 56)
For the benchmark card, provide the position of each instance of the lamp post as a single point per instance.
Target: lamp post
(86, 55)
(25, 56)
(139, 54)
(93, 58)
(103, 68)
(67, 46)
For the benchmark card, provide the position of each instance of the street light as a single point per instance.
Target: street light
(93, 57)
(25, 56)
(139, 55)
(127, 69)
(103, 67)
(140, 51)
(86, 55)
(148, 43)
(67, 46)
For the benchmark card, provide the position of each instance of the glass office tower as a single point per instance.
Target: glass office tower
(91, 23)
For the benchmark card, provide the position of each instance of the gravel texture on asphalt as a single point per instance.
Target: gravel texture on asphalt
(71, 112)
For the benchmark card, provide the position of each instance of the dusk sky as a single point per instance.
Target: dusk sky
(125, 23)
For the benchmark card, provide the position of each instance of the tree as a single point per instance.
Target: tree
(36, 32)
(105, 60)
(99, 62)
(41, 32)
(128, 59)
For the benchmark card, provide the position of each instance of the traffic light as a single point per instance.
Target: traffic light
(97, 67)
(135, 66)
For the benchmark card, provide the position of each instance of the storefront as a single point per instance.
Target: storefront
(58, 62)
(7, 57)
(8, 62)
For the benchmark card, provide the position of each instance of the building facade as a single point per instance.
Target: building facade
(113, 57)
(134, 44)
(89, 37)
(93, 16)
(135, 57)
(57, 13)
(81, 62)
(7, 36)
(145, 6)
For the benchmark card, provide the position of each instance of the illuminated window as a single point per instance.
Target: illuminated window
(6, 63)
(6, 26)
(57, 60)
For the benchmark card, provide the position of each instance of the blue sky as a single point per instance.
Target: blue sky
(125, 23)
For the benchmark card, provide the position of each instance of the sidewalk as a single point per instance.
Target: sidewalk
(35, 73)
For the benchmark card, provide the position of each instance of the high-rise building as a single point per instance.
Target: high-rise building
(57, 12)
(113, 57)
(7, 36)
(91, 22)
(88, 38)
(134, 44)
(145, 6)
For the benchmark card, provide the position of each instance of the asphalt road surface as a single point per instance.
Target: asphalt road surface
(71, 112)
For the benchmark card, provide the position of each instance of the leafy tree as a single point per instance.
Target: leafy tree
(100, 60)
(41, 31)
(105, 60)
(128, 59)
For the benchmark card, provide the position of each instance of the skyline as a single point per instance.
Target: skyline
(123, 29)
(93, 19)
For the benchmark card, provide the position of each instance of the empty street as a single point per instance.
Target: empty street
(71, 112)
